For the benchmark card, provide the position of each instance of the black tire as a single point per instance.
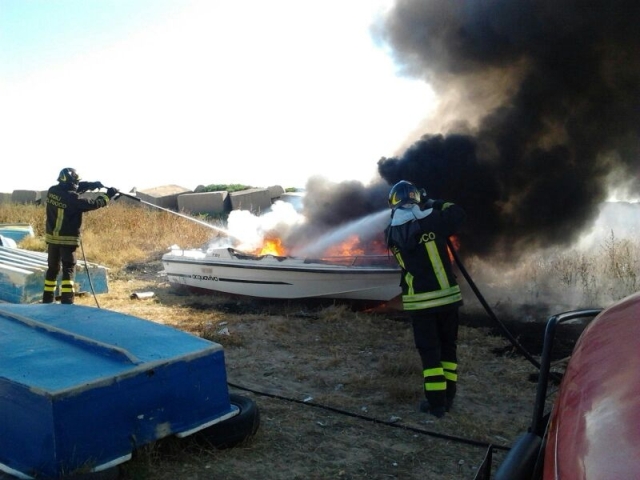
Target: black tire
(235, 430)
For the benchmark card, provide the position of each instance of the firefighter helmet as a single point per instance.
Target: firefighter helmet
(403, 193)
(69, 175)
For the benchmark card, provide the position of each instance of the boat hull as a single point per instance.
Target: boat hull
(280, 277)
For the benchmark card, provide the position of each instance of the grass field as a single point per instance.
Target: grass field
(338, 387)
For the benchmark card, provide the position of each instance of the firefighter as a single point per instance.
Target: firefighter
(417, 237)
(64, 209)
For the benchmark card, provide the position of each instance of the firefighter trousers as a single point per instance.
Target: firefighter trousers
(65, 256)
(436, 336)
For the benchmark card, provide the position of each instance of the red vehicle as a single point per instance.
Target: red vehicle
(593, 429)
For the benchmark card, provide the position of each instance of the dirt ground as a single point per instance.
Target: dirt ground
(337, 388)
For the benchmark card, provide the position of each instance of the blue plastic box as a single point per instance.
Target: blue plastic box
(82, 387)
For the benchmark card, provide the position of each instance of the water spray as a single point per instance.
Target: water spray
(364, 227)
(199, 222)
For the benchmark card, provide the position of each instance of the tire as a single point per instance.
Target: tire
(235, 430)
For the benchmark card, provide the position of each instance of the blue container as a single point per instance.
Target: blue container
(22, 275)
(16, 231)
(82, 387)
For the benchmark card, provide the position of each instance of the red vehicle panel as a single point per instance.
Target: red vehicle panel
(594, 431)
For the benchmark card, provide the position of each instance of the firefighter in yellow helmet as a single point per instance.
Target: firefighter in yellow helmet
(64, 210)
(417, 237)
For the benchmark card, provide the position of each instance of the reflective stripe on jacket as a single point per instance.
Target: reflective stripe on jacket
(64, 214)
(419, 244)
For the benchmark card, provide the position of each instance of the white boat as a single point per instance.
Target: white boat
(363, 277)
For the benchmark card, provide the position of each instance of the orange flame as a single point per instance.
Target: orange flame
(351, 246)
(272, 246)
(455, 243)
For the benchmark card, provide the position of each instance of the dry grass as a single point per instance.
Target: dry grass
(118, 235)
(297, 359)
(337, 387)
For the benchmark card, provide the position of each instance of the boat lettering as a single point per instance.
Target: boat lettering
(204, 277)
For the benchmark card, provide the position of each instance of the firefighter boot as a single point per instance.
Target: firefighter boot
(66, 292)
(434, 404)
(451, 394)
(67, 298)
(48, 294)
(425, 407)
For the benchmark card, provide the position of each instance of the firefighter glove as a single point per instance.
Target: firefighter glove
(86, 186)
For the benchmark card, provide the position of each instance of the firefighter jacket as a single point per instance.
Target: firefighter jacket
(64, 209)
(418, 240)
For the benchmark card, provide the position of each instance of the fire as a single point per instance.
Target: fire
(455, 243)
(350, 247)
(272, 246)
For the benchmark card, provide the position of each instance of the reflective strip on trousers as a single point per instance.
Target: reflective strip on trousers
(49, 285)
(66, 286)
(433, 379)
(449, 369)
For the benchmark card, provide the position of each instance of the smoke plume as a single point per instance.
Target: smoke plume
(540, 112)
(329, 206)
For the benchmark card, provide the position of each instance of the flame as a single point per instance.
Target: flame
(455, 243)
(351, 246)
(272, 246)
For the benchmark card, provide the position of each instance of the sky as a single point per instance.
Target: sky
(147, 93)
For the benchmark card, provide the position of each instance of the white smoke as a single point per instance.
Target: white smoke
(617, 220)
(250, 230)
(602, 267)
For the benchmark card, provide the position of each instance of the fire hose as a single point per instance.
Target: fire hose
(488, 309)
(453, 251)
(456, 257)
(137, 199)
(464, 272)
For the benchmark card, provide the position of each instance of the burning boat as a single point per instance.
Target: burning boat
(227, 270)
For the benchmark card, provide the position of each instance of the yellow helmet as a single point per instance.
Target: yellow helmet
(404, 193)
(69, 175)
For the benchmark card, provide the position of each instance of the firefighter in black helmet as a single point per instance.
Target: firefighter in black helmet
(64, 209)
(417, 237)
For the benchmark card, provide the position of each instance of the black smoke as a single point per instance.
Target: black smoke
(329, 206)
(547, 114)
